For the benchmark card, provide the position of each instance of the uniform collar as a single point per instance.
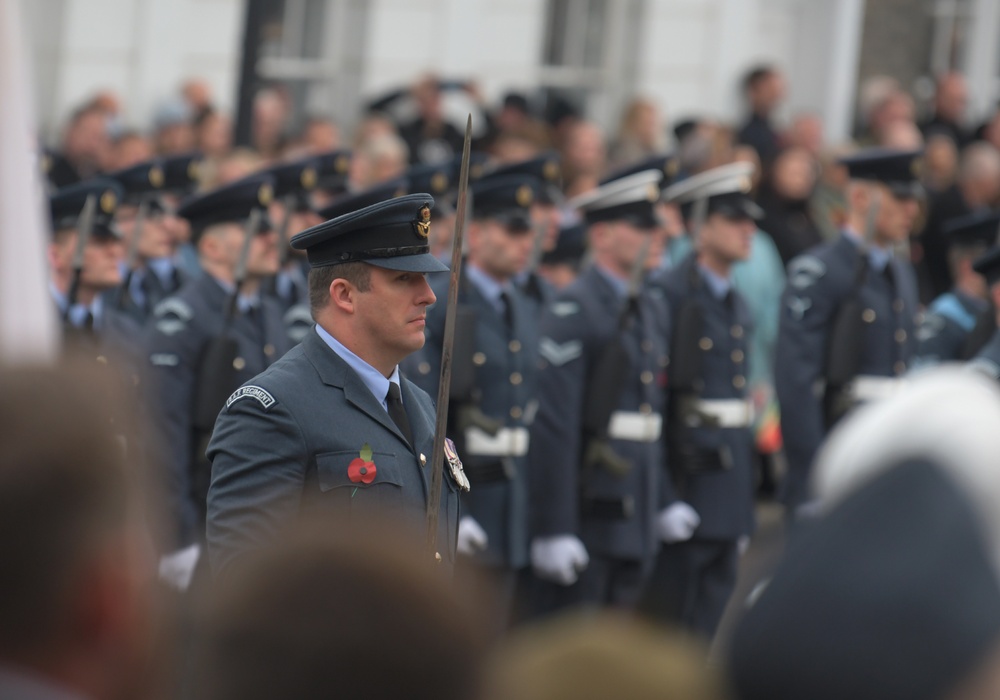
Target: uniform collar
(245, 302)
(487, 286)
(619, 285)
(78, 313)
(163, 268)
(717, 285)
(370, 377)
(878, 258)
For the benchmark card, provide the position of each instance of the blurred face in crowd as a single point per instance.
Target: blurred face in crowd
(321, 136)
(940, 161)
(794, 174)
(221, 245)
(951, 97)
(175, 139)
(155, 239)
(215, 135)
(585, 148)
(102, 257)
(87, 144)
(617, 246)
(545, 219)
(427, 96)
(806, 132)
(499, 250)
(895, 218)
(726, 239)
(767, 92)
(130, 150)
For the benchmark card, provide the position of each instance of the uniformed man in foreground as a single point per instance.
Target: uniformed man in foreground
(848, 311)
(493, 389)
(217, 332)
(987, 358)
(332, 428)
(596, 456)
(710, 497)
(892, 591)
(945, 330)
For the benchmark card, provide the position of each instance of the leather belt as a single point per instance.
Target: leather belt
(508, 442)
(634, 426)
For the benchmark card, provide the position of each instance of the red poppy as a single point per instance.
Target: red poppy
(361, 471)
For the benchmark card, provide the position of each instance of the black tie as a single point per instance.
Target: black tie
(394, 402)
(508, 310)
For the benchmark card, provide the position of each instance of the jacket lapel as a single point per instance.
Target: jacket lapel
(334, 372)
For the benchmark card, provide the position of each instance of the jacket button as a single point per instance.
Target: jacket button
(646, 377)
(739, 381)
(239, 363)
(516, 378)
(437, 557)
(424, 368)
(516, 412)
(705, 343)
(645, 409)
(900, 336)
(514, 346)
(479, 359)
(737, 355)
(423, 460)
(868, 316)
(268, 349)
(736, 331)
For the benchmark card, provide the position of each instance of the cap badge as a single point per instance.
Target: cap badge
(308, 178)
(745, 184)
(671, 166)
(652, 192)
(439, 182)
(108, 202)
(194, 170)
(455, 466)
(341, 164)
(551, 170)
(423, 222)
(156, 177)
(265, 194)
(524, 196)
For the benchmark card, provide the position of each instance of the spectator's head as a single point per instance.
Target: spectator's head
(320, 135)
(86, 143)
(130, 148)
(793, 174)
(270, 120)
(951, 97)
(599, 657)
(764, 87)
(979, 174)
(427, 96)
(174, 128)
(324, 616)
(77, 584)
(902, 134)
(198, 95)
(940, 162)
(806, 131)
(640, 123)
(514, 112)
(379, 159)
(896, 106)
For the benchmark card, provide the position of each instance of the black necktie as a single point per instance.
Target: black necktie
(508, 310)
(394, 403)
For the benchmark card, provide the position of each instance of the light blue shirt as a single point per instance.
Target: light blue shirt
(488, 287)
(163, 268)
(717, 285)
(78, 314)
(371, 377)
(877, 257)
(245, 302)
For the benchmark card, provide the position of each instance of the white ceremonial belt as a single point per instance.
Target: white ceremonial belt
(727, 413)
(637, 427)
(868, 388)
(508, 442)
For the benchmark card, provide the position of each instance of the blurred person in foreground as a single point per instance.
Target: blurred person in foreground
(599, 657)
(77, 602)
(891, 590)
(320, 614)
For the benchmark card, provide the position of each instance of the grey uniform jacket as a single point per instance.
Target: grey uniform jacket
(818, 283)
(282, 447)
(946, 326)
(574, 331)
(506, 363)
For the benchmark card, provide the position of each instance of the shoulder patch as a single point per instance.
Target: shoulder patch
(251, 392)
(805, 271)
(177, 307)
(557, 354)
(170, 326)
(565, 308)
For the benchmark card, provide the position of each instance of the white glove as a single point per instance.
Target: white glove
(677, 522)
(559, 559)
(471, 537)
(177, 568)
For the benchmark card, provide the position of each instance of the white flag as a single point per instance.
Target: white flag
(28, 328)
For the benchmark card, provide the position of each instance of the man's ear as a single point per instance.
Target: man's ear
(342, 295)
